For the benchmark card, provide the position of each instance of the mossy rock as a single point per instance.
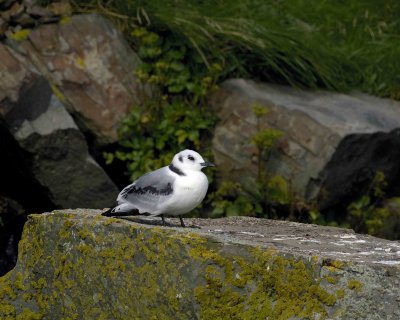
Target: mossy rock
(77, 264)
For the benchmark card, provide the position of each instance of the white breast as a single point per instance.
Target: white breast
(189, 192)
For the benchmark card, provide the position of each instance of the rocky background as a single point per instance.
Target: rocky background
(67, 81)
(62, 84)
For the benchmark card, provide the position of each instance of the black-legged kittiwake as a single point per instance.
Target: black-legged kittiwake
(172, 190)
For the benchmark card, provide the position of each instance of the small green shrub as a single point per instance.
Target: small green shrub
(175, 118)
(365, 215)
(231, 200)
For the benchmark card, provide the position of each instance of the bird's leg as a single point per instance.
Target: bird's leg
(163, 220)
(182, 224)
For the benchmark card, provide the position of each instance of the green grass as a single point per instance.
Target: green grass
(339, 45)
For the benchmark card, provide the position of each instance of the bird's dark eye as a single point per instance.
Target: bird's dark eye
(191, 158)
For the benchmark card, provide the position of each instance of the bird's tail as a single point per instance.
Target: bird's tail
(124, 209)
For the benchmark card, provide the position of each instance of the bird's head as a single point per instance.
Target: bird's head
(190, 160)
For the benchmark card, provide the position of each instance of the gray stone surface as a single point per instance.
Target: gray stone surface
(77, 263)
(51, 146)
(92, 69)
(319, 127)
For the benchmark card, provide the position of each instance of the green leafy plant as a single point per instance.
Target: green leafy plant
(364, 215)
(270, 189)
(175, 118)
(231, 200)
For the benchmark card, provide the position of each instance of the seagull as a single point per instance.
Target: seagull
(173, 190)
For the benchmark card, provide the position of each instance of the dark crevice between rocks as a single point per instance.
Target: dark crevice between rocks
(20, 195)
(117, 169)
(349, 173)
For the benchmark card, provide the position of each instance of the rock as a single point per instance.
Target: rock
(6, 4)
(13, 12)
(49, 142)
(357, 159)
(60, 8)
(3, 27)
(329, 139)
(35, 10)
(390, 229)
(79, 264)
(93, 69)
(12, 219)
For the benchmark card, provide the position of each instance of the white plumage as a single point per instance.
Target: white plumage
(172, 190)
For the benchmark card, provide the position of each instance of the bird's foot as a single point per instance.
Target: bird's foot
(163, 220)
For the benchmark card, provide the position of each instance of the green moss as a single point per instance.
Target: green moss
(354, 285)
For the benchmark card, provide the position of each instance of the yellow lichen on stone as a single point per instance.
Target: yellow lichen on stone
(284, 287)
(58, 93)
(7, 311)
(80, 62)
(354, 285)
(110, 220)
(6, 290)
(27, 314)
(340, 293)
(20, 34)
(115, 257)
(65, 20)
(334, 265)
(331, 280)
(84, 233)
(158, 273)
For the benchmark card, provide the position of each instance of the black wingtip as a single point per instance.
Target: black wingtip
(112, 213)
(108, 213)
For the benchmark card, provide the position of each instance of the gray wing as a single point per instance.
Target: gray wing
(150, 191)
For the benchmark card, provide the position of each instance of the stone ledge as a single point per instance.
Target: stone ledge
(78, 264)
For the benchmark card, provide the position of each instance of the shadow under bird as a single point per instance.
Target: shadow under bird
(172, 190)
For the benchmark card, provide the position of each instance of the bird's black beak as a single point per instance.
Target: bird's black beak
(207, 164)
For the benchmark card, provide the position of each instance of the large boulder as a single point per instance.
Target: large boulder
(51, 150)
(78, 264)
(332, 145)
(91, 68)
